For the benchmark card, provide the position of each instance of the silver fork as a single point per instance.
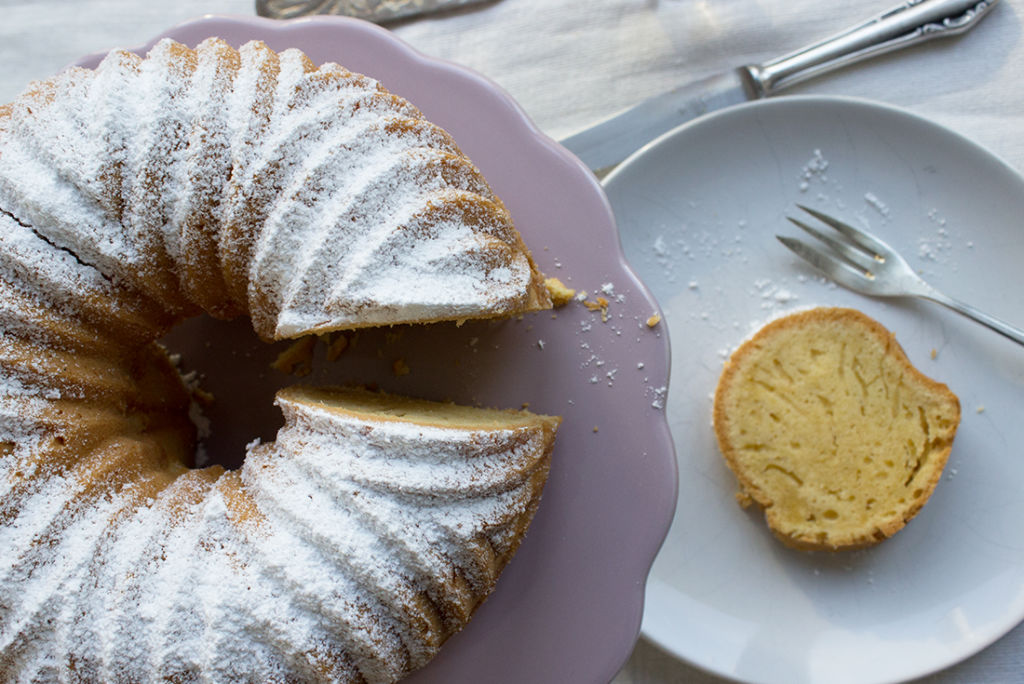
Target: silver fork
(861, 262)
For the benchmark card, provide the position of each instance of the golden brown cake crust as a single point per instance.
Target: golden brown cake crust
(836, 379)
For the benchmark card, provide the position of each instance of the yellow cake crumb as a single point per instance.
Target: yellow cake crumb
(202, 396)
(654, 320)
(600, 305)
(559, 293)
(934, 354)
(297, 359)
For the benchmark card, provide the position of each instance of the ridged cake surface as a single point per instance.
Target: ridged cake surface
(241, 182)
(233, 181)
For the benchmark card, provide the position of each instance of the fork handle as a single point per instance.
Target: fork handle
(991, 322)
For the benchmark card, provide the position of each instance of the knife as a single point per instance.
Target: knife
(603, 145)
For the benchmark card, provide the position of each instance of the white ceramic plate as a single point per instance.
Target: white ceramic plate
(698, 211)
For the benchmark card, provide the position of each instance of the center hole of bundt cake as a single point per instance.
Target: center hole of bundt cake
(229, 371)
(234, 375)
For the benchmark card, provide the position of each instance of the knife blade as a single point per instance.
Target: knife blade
(603, 145)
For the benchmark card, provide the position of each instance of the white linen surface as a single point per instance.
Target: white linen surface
(571, 62)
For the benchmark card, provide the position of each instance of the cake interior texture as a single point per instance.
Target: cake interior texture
(392, 407)
(831, 430)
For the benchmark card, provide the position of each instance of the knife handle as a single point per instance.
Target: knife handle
(913, 22)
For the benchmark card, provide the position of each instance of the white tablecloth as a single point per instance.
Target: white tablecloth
(570, 62)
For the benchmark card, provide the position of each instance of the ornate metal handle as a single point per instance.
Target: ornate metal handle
(373, 10)
(914, 21)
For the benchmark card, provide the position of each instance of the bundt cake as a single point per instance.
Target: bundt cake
(831, 430)
(242, 182)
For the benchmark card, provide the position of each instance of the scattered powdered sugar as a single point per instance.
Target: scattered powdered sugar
(661, 248)
(660, 393)
(773, 294)
(814, 170)
(688, 244)
(935, 247)
(604, 313)
(876, 204)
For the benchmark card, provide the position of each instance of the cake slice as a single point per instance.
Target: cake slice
(831, 430)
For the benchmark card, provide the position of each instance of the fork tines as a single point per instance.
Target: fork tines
(863, 263)
(872, 245)
(849, 248)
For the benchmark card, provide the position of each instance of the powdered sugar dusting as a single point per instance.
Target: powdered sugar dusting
(877, 204)
(815, 169)
(138, 193)
(323, 543)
